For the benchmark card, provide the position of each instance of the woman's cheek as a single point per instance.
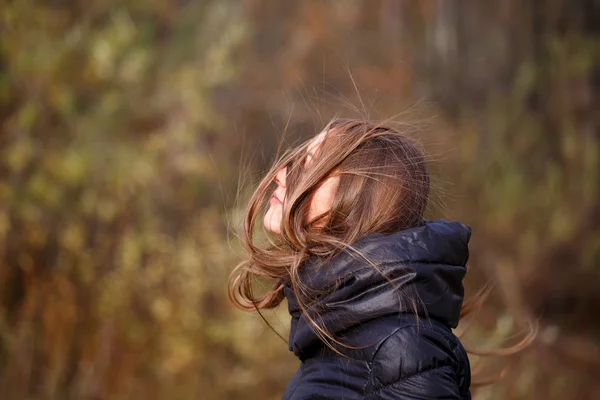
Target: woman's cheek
(322, 200)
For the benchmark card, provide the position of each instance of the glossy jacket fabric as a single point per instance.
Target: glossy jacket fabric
(408, 348)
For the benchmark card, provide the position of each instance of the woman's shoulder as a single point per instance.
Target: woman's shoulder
(419, 352)
(418, 344)
(400, 355)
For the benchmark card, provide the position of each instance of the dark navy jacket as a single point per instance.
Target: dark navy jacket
(409, 349)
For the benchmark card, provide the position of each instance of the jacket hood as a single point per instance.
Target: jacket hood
(426, 264)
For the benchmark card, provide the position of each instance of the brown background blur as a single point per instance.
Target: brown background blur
(132, 132)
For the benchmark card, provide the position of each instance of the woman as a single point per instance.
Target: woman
(374, 290)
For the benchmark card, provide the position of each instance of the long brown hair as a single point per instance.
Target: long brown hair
(384, 187)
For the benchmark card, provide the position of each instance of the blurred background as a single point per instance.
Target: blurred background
(133, 132)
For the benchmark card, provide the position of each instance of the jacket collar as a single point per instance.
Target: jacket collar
(425, 263)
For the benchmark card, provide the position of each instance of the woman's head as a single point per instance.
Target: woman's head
(353, 178)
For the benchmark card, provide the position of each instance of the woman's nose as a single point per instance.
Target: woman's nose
(280, 177)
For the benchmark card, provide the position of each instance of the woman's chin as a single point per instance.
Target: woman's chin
(271, 223)
(273, 229)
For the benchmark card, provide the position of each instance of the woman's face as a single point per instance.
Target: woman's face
(320, 202)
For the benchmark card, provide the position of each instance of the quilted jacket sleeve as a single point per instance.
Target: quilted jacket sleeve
(419, 363)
